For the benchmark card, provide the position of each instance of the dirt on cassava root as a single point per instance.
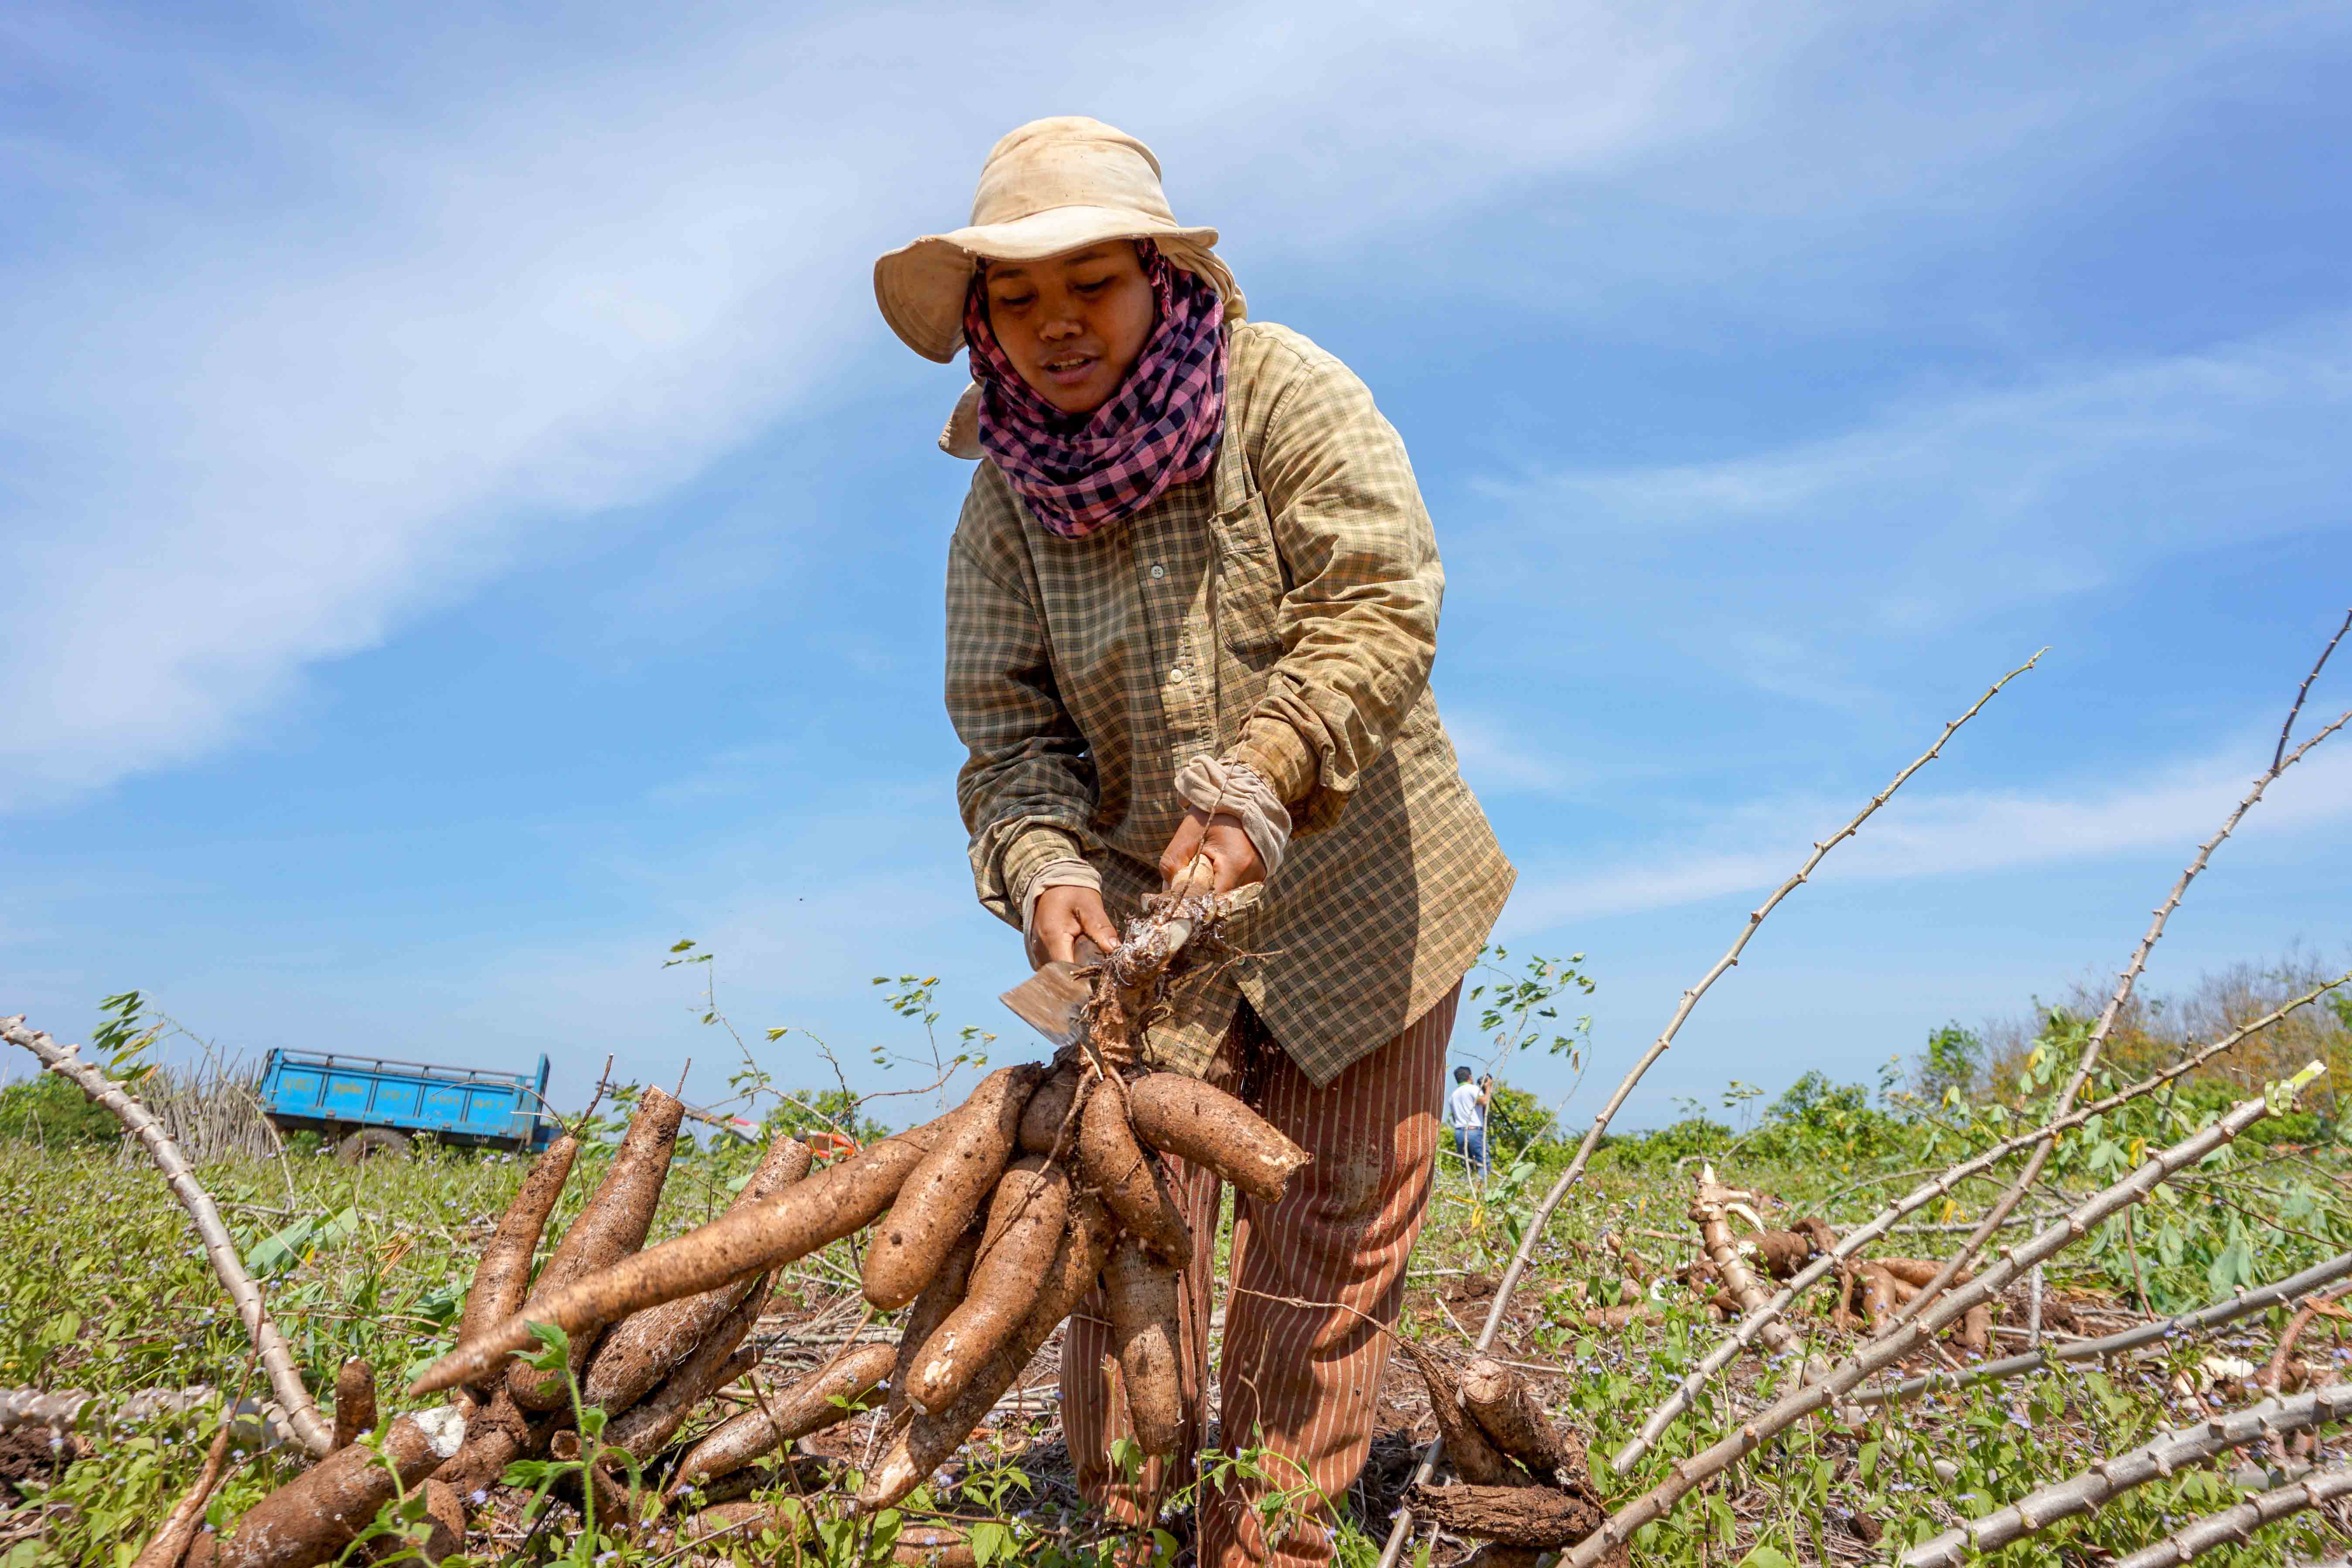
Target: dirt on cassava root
(312, 1518)
(354, 1401)
(942, 1295)
(1046, 1124)
(1142, 1293)
(1113, 1162)
(825, 1397)
(1016, 1252)
(719, 1359)
(927, 1442)
(1541, 1517)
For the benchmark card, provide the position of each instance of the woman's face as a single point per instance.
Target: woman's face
(1073, 324)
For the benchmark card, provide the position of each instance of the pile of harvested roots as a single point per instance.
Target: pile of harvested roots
(1521, 1483)
(1726, 1273)
(994, 1221)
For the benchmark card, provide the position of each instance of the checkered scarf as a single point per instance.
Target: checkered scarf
(1159, 428)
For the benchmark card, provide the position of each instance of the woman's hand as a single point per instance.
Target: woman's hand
(1220, 838)
(1064, 914)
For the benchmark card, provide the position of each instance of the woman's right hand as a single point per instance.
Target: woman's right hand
(1064, 914)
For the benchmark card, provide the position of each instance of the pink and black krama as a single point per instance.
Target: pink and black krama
(1076, 473)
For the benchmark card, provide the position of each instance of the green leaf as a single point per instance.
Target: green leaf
(2232, 1266)
(281, 1248)
(991, 1543)
(555, 1346)
(1766, 1557)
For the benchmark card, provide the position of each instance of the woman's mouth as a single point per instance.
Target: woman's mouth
(1068, 370)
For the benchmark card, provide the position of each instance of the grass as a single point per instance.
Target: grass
(102, 1287)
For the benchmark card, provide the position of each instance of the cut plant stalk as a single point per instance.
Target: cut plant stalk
(2282, 1293)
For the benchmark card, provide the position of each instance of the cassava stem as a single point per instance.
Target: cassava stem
(1403, 1529)
(1902, 1340)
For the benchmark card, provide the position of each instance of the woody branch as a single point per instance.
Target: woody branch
(1402, 1529)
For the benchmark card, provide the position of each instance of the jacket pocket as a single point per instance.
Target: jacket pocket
(1250, 584)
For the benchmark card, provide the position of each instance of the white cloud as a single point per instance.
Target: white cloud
(318, 331)
(1495, 763)
(1820, 556)
(1917, 836)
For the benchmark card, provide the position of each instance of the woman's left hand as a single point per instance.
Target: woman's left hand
(1220, 838)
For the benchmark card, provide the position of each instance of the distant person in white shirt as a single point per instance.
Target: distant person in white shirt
(1466, 1107)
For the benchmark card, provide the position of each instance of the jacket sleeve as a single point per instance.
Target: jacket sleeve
(1027, 786)
(1359, 621)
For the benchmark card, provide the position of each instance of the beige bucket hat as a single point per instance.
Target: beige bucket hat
(1053, 185)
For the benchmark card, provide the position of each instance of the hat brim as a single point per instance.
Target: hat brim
(920, 287)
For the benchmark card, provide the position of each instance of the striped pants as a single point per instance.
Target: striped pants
(1300, 1373)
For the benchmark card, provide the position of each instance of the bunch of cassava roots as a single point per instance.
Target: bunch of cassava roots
(989, 1225)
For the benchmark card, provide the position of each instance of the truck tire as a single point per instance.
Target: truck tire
(372, 1142)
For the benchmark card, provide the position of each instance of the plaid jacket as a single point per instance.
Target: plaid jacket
(1299, 580)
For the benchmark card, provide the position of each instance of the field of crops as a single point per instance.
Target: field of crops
(2062, 1291)
(106, 1290)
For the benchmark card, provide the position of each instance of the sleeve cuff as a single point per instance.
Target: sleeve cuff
(1031, 853)
(1280, 755)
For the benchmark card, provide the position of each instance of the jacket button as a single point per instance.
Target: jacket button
(1158, 571)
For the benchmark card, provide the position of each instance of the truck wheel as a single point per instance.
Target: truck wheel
(372, 1142)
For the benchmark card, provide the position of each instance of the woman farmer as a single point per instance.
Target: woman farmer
(1191, 606)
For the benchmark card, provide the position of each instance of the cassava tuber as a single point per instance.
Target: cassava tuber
(942, 1194)
(312, 1518)
(1203, 1125)
(834, 1203)
(1142, 1295)
(502, 1277)
(927, 1442)
(1024, 1232)
(610, 1225)
(824, 1398)
(638, 1351)
(1114, 1163)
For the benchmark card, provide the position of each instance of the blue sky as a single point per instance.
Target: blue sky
(466, 527)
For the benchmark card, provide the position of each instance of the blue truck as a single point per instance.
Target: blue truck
(374, 1105)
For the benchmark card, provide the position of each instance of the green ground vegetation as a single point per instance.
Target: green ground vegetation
(103, 1287)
